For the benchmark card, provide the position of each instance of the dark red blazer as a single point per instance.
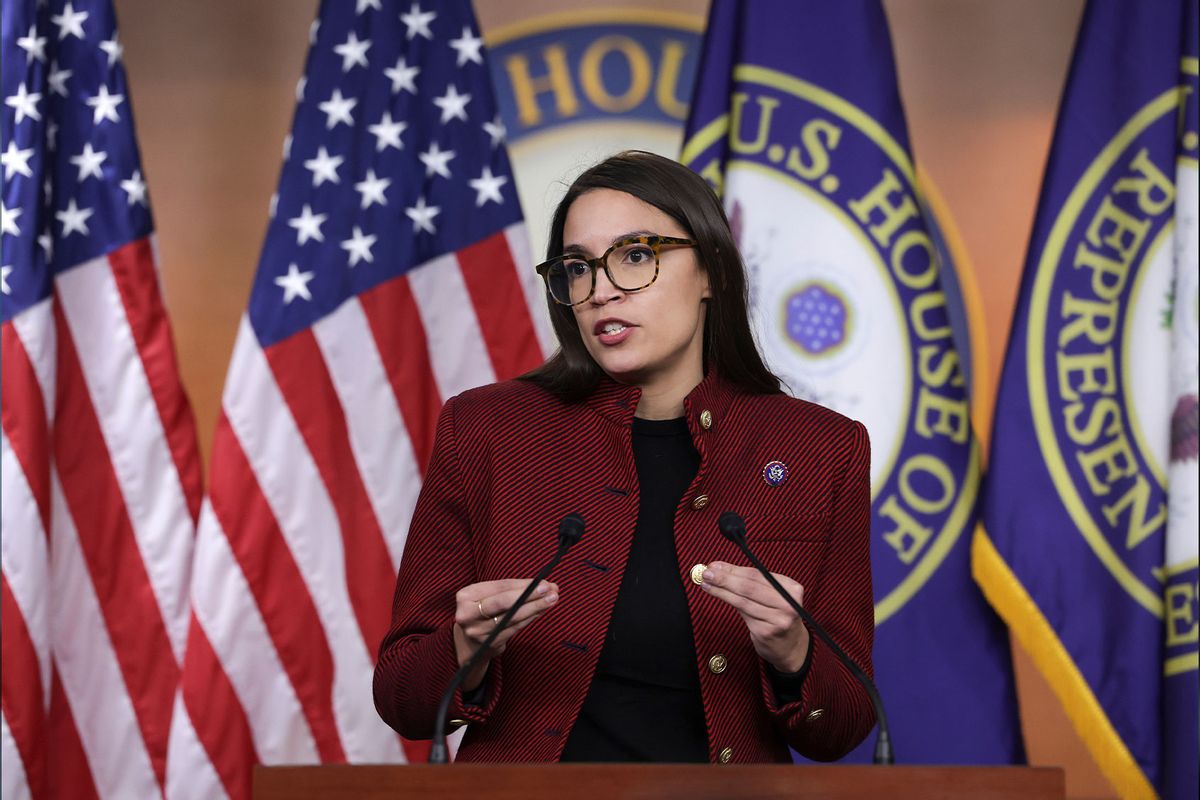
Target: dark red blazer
(510, 460)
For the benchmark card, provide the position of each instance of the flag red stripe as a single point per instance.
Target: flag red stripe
(303, 378)
(278, 587)
(416, 751)
(71, 776)
(137, 281)
(218, 719)
(21, 691)
(494, 285)
(23, 415)
(391, 311)
(106, 537)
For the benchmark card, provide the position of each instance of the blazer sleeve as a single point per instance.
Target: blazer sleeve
(417, 657)
(833, 713)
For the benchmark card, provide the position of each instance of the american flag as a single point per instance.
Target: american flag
(101, 475)
(395, 274)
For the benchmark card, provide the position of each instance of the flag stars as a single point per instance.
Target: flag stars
(8, 220)
(324, 167)
(135, 188)
(363, 5)
(403, 77)
(487, 187)
(359, 247)
(104, 106)
(468, 47)
(33, 45)
(74, 219)
(294, 284)
(89, 162)
(417, 22)
(4, 273)
(301, 85)
(436, 160)
(337, 110)
(114, 49)
(387, 133)
(371, 188)
(496, 130)
(47, 243)
(353, 52)
(16, 160)
(25, 103)
(70, 22)
(422, 216)
(308, 225)
(57, 79)
(452, 104)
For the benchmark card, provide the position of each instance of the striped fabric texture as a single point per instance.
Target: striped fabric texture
(510, 461)
(98, 458)
(395, 274)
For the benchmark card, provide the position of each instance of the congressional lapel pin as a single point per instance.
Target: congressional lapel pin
(775, 473)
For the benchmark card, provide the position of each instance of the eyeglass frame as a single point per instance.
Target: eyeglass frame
(654, 241)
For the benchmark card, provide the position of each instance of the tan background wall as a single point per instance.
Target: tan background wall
(212, 88)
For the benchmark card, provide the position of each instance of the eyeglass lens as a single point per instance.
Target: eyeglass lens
(631, 266)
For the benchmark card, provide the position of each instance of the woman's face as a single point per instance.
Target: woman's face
(650, 337)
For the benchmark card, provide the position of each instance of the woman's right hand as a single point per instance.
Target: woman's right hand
(478, 609)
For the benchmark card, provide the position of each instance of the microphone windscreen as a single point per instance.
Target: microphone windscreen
(570, 530)
(732, 526)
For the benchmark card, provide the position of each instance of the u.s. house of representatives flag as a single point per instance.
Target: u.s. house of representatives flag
(395, 274)
(1091, 509)
(100, 470)
(797, 120)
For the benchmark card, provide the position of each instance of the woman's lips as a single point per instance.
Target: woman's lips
(612, 332)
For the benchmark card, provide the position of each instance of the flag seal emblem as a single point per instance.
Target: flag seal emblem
(847, 200)
(1104, 298)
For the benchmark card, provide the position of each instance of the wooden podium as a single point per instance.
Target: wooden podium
(656, 782)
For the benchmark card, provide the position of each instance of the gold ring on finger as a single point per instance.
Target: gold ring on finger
(479, 605)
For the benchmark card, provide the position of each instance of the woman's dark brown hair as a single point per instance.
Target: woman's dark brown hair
(729, 347)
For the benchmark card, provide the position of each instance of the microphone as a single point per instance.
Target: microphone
(733, 528)
(570, 531)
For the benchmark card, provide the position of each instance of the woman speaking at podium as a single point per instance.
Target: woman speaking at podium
(653, 640)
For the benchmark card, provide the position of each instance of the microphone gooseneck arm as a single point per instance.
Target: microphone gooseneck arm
(733, 528)
(570, 530)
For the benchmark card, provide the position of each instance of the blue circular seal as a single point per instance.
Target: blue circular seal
(775, 473)
(816, 318)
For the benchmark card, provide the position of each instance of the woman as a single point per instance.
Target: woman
(653, 641)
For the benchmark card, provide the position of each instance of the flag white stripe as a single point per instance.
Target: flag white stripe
(87, 665)
(226, 610)
(531, 284)
(13, 785)
(133, 432)
(292, 486)
(35, 328)
(457, 351)
(25, 559)
(382, 449)
(189, 772)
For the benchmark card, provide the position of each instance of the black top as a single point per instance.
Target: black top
(644, 702)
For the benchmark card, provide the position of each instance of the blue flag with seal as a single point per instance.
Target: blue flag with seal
(797, 121)
(1090, 551)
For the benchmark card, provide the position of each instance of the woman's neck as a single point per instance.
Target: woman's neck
(664, 399)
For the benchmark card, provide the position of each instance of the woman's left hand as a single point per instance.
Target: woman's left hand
(778, 635)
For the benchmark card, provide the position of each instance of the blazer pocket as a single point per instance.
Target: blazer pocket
(786, 528)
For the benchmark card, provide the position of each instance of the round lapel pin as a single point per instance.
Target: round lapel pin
(775, 473)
